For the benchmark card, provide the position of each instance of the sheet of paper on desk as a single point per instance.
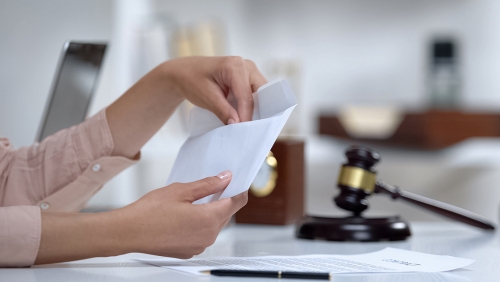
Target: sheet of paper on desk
(213, 147)
(386, 260)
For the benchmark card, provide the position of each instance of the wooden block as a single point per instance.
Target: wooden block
(285, 204)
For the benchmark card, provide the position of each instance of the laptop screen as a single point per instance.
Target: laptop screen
(73, 87)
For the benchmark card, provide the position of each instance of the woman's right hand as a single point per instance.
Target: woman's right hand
(165, 222)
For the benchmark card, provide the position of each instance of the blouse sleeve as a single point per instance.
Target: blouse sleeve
(60, 174)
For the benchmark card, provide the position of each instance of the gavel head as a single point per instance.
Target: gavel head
(357, 179)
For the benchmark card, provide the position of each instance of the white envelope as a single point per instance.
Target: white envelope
(213, 147)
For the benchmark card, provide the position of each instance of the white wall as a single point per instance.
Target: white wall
(32, 34)
(374, 51)
(351, 51)
(356, 51)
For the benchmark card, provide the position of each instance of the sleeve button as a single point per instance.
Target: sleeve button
(44, 206)
(96, 167)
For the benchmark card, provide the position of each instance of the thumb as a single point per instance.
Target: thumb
(206, 186)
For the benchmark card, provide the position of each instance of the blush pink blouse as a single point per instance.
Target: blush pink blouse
(60, 174)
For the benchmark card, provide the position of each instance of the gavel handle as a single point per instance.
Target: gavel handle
(438, 207)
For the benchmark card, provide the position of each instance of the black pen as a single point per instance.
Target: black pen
(269, 274)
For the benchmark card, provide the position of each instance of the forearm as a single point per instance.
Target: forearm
(139, 113)
(75, 236)
(163, 222)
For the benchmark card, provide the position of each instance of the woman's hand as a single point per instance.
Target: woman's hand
(207, 82)
(163, 222)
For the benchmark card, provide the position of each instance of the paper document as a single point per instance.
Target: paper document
(386, 260)
(213, 147)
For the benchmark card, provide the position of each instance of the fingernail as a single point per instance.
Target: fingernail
(224, 174)
(231, 121)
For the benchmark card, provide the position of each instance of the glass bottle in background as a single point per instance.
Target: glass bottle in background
(444, 76)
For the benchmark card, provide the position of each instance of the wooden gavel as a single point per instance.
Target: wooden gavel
(357, 180)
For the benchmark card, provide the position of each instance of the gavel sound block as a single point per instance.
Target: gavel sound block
(357, 181)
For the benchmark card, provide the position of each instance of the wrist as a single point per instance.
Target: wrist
(169, 78)
(116, 233)
(75, 236)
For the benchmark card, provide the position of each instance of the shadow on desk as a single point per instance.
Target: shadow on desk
(93, 265)
(96, 272)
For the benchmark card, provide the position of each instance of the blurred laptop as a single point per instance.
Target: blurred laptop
(73, 87)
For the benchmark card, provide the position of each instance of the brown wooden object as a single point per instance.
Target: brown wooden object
(285, 204)
(427, 130)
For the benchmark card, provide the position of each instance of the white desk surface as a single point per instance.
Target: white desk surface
(249, 240)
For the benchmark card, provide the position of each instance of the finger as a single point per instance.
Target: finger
(206, 186)
(257, 79)
(239, 84)
(221, 107)
(225, 208)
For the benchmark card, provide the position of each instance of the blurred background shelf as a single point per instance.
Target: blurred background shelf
(429, 130)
